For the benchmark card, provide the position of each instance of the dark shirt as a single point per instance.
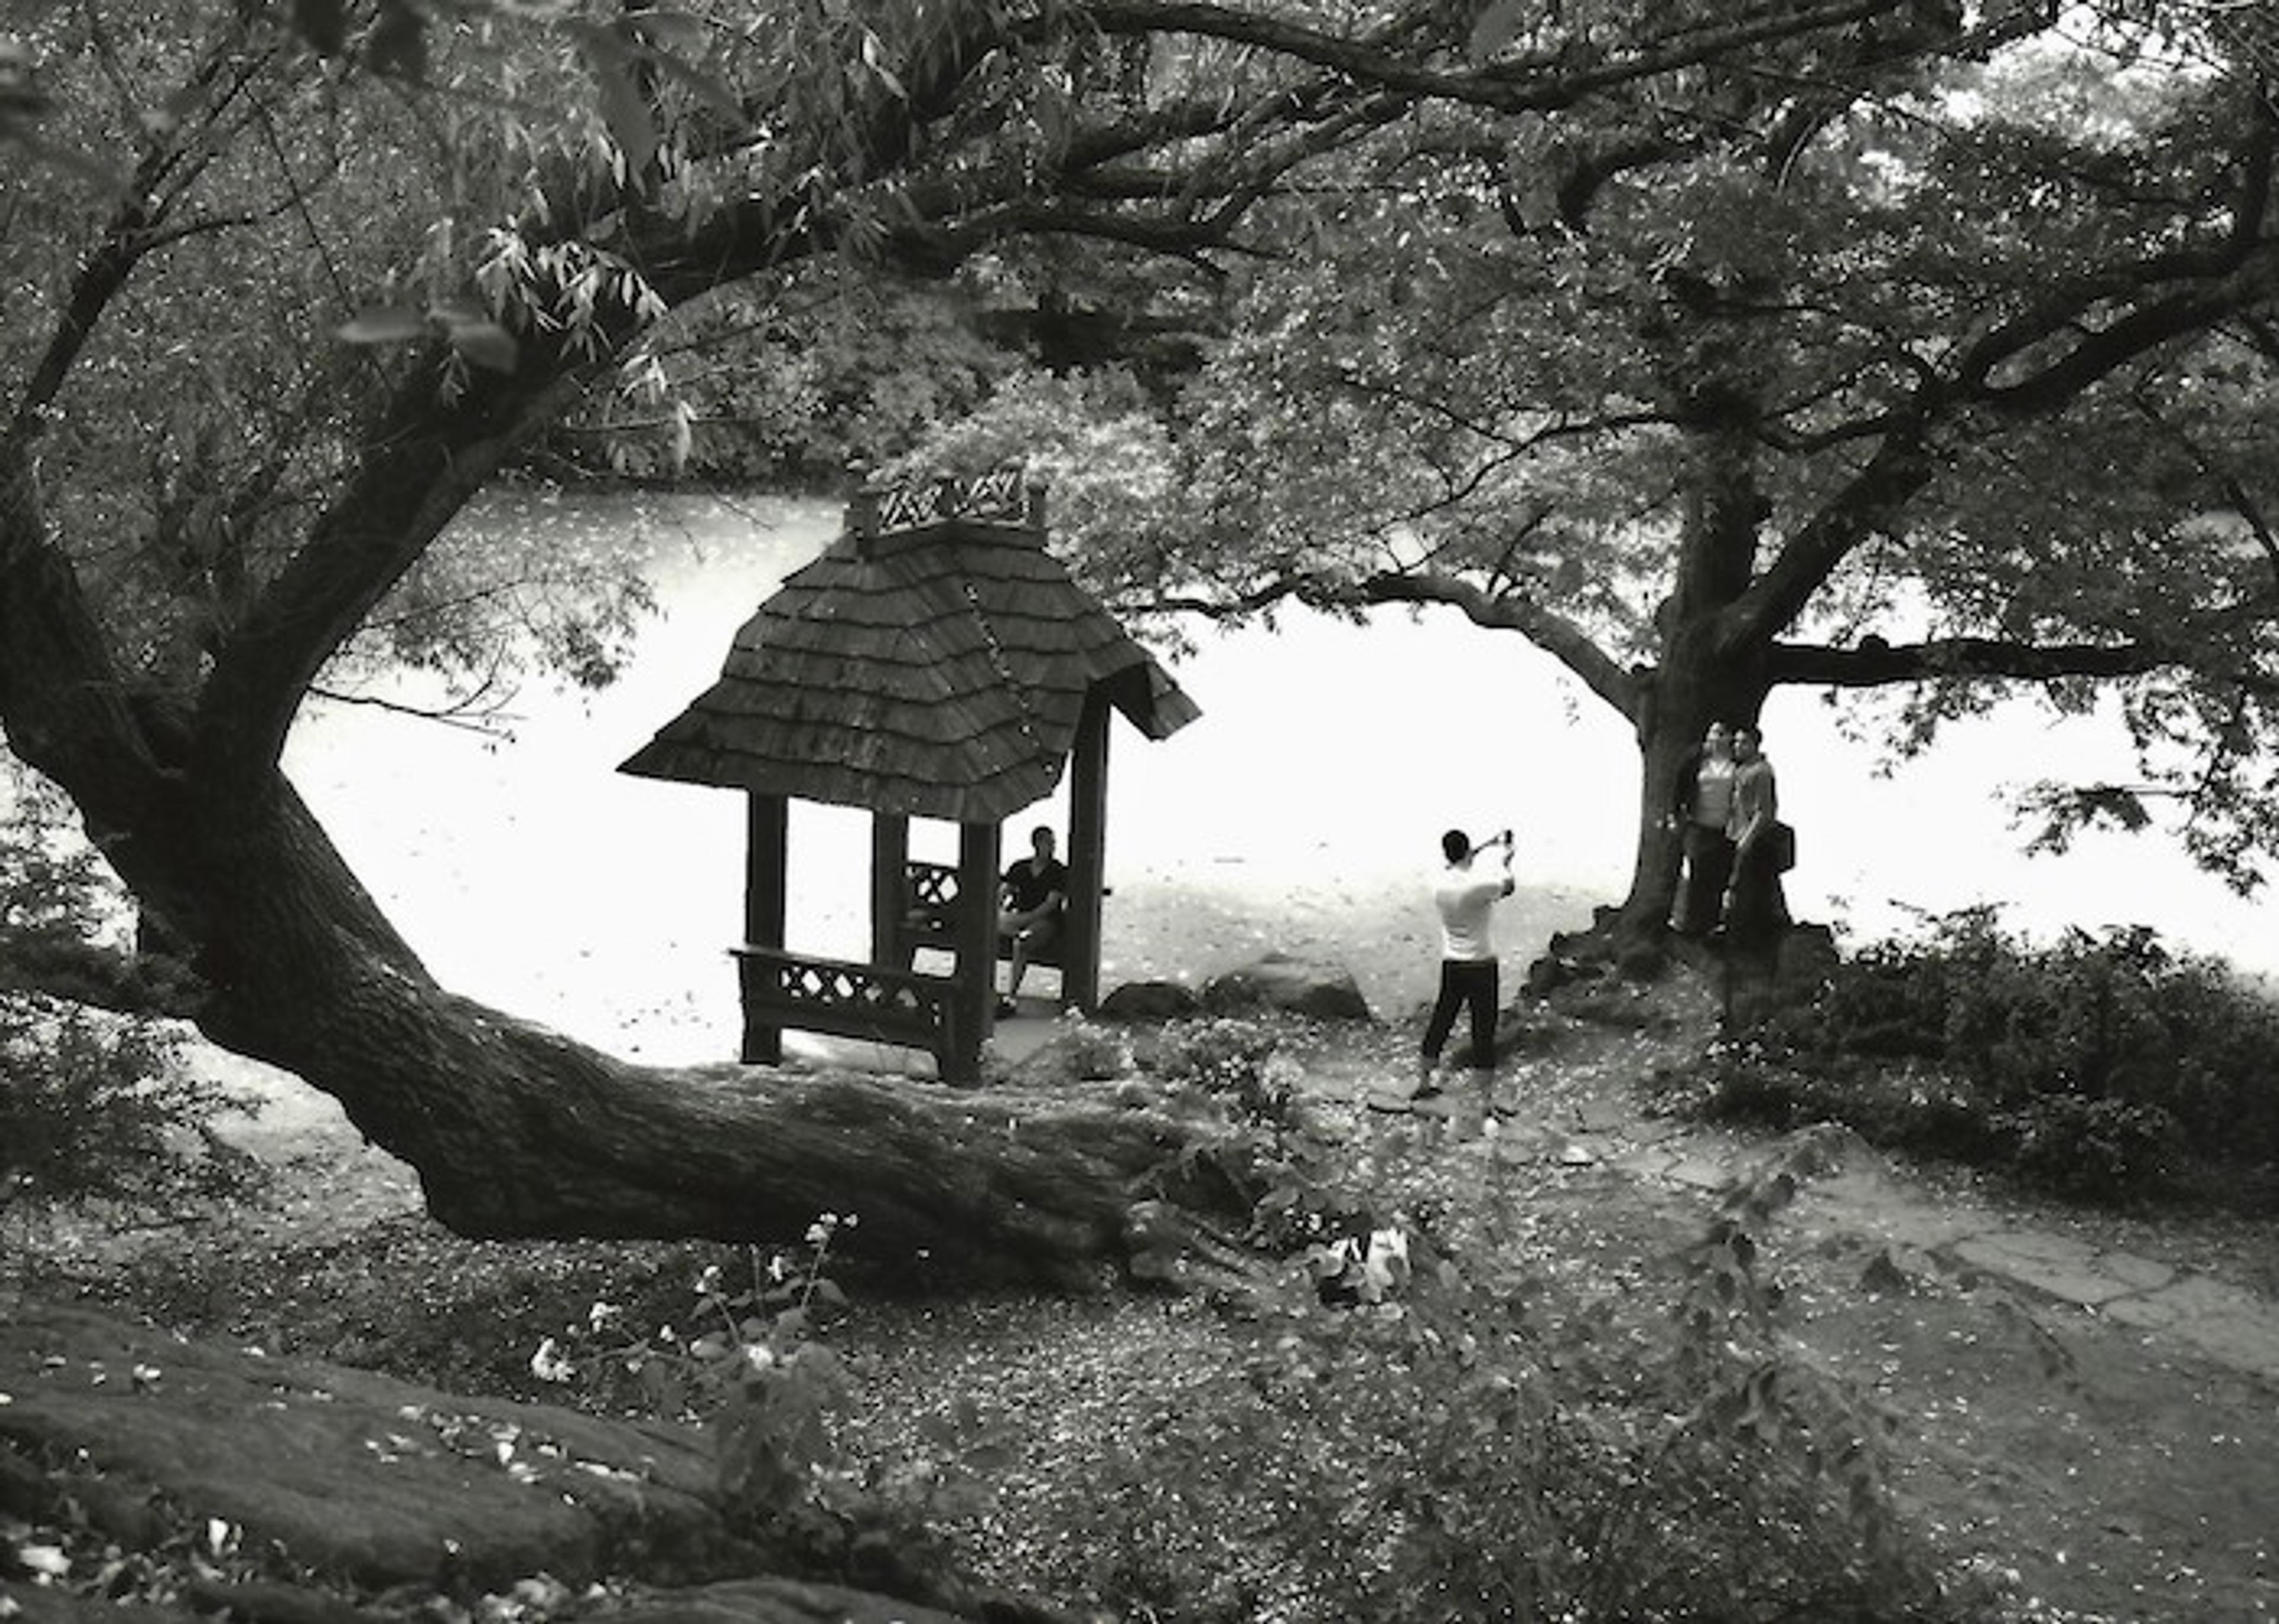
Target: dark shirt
(1027, 886)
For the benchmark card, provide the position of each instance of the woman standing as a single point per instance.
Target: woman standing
(1703, 808)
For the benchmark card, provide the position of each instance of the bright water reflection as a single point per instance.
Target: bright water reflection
(1298, 812)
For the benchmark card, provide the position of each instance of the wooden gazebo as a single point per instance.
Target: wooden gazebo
(933, 662)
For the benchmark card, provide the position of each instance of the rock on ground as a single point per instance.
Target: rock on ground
(360, 1476)
(1281, 981)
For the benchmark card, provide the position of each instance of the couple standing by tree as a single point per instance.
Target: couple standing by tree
(1736, 848)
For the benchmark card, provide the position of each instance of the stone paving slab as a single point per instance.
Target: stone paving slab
(2232, 1326)
(2055, 1264)
(358, 1474)
(1867, 1198)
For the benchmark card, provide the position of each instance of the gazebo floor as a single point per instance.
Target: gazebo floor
(1015, 1040)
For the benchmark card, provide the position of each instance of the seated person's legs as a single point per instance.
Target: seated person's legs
(1030, 941)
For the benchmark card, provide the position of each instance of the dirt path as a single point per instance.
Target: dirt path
(2089, 1399)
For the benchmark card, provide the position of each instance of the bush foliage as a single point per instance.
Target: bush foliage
(2101, 1068)
(94, 1107)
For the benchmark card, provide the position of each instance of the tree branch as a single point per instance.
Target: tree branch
(418, 471)
(1870, 500)
(2231, 271)
(1537, 84)
(1875, 663)
(1557, 636)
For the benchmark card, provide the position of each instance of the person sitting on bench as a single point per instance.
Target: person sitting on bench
(1035, 890)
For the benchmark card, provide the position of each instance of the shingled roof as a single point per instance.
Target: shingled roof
(933, 661)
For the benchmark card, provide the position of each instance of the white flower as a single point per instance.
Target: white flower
(602, 1314)
(45, 1563)
(708, 1283)
(550, 1364)
(759, 1357)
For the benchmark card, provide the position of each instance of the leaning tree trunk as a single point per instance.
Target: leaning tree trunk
(516, 1131)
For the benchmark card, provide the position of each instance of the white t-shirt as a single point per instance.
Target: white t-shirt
(1465, 896)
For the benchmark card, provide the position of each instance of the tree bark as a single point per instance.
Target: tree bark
(516, 1131)
(1712, 664)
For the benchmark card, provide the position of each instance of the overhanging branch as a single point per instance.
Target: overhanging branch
(1538, 84)
(1875, 663)
(1556, 635)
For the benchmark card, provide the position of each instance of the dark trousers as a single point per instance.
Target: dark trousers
(1471, 983)
(1708, 867)
(1759, 913)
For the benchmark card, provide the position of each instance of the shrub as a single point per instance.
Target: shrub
(1233, 1061)
(94, 1107)
(2098, 1068)
(1488, 1443)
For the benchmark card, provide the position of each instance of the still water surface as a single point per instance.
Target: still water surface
(1301, 812)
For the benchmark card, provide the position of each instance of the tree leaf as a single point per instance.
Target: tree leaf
(486, 344)
(626, 111)
(323, 24)
(1497, 27)
(384, 324)
(874, 58)
(397, 47)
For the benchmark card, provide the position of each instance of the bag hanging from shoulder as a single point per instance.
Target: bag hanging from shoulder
(1780, 846)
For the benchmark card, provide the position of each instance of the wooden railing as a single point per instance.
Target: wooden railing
(848, 1000)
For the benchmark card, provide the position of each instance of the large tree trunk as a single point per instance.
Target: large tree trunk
(515, 1131)
(1711, 669)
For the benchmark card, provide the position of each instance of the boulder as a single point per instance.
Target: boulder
(1282, 983)
(360, 1476)
(775, 1601)
(1147, 1001)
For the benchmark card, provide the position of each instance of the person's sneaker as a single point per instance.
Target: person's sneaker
(1426, 1090)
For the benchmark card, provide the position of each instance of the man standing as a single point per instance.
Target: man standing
(1035, 889)
(1465, 894)
(1756, 912)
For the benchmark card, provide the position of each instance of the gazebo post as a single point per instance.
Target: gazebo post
(974, 1000)
(1087, 858)
(767, 823)
(890, 860)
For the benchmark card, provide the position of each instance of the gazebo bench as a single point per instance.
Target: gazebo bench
(874, 1001)
(929, 915)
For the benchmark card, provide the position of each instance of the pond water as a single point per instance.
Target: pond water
(1301, 812)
